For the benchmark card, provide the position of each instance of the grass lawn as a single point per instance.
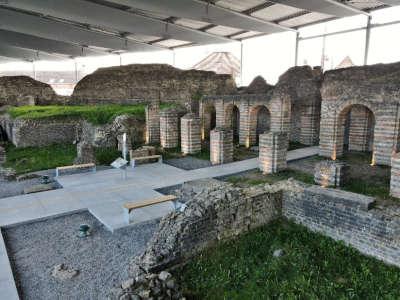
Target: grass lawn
(95, 114)
(313, 267)
(31, 159)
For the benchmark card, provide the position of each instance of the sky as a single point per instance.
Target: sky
(270, 55)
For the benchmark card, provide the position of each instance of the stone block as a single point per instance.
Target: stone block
(190, 134)
(221, 146)
(169, 128)
(273, 152)
(85, 153)
(331, 173)
(395, 176)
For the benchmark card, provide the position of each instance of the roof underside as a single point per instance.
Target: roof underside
(57, 29)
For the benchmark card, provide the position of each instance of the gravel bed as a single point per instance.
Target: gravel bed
(15, 188)
(102, 258)
(188, 163)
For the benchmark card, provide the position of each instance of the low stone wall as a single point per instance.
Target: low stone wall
(26, 133)
(218, 212)
(43, 132)
(347, 217)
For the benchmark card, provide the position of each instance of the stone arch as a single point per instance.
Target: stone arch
(260, 122)
(209, 120)
(355, 128)
(232, 120)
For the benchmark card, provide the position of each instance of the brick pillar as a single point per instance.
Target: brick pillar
(169, 128)
(395, 176)
(331, 173)
(221, 146)
(190, 134)
(309, 124)
(273, 152)
(153, 123)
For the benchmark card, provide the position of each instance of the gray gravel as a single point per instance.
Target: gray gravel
(188, 163)
(102, 258)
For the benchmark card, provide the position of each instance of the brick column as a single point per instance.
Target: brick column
(331, 173)
(153, 123)
(221, 146)
(273, 152)
(309, 128)
(169, 128)
(395, 176)
(190, 134)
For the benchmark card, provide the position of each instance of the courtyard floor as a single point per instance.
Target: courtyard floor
(103, 193)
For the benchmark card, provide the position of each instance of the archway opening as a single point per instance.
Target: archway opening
(260, 122)
(355, 130)
(232, 120)
(209, 121)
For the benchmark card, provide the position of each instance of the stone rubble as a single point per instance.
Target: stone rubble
(63, 272)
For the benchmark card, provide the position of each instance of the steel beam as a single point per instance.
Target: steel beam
(85, 12)
(21, 40)
(27, 54)
(64, 32)
(329, 7)
(205, 12)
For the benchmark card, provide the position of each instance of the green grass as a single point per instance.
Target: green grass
(313, 267)
(95, 114)
(31, 159)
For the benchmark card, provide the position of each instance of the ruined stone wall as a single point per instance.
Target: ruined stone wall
(372, 87)
(218, 212)
(149, 81)
(347, 217)
(24, 90)
(39, 132)
(293, 105)
(43, 132)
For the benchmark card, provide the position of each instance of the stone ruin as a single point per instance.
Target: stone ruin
(24, 90)
(292, 106)
(361, 111)
(130, 83)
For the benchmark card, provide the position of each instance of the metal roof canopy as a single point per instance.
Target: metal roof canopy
(27, 54)
(205, 12)
(107, 17)
(329, 7)
(91, 27)
(64, 32)
(22, 40)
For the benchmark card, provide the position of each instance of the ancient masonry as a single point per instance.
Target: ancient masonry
(218, 211)
(331, 173)
(190, 134)
(361, 110)
(292, 106)
(273, 152)
(85, 153)
(153, 123)
(221, 146)
(169, 128)
(138, 82)
(395, 176)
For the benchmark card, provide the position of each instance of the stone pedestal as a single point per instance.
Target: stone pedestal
(190, 134)
(85, 153)
(153, 123)
(273, 152)
(331, 173)
(395, 176)
(169, 128)
(221, 146)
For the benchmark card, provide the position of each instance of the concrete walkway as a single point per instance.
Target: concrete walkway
(103, 194)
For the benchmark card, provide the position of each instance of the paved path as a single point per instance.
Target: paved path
(103, 194)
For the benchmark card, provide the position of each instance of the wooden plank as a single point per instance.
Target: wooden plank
(77, 166)
(133, 205)
(146, 157)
